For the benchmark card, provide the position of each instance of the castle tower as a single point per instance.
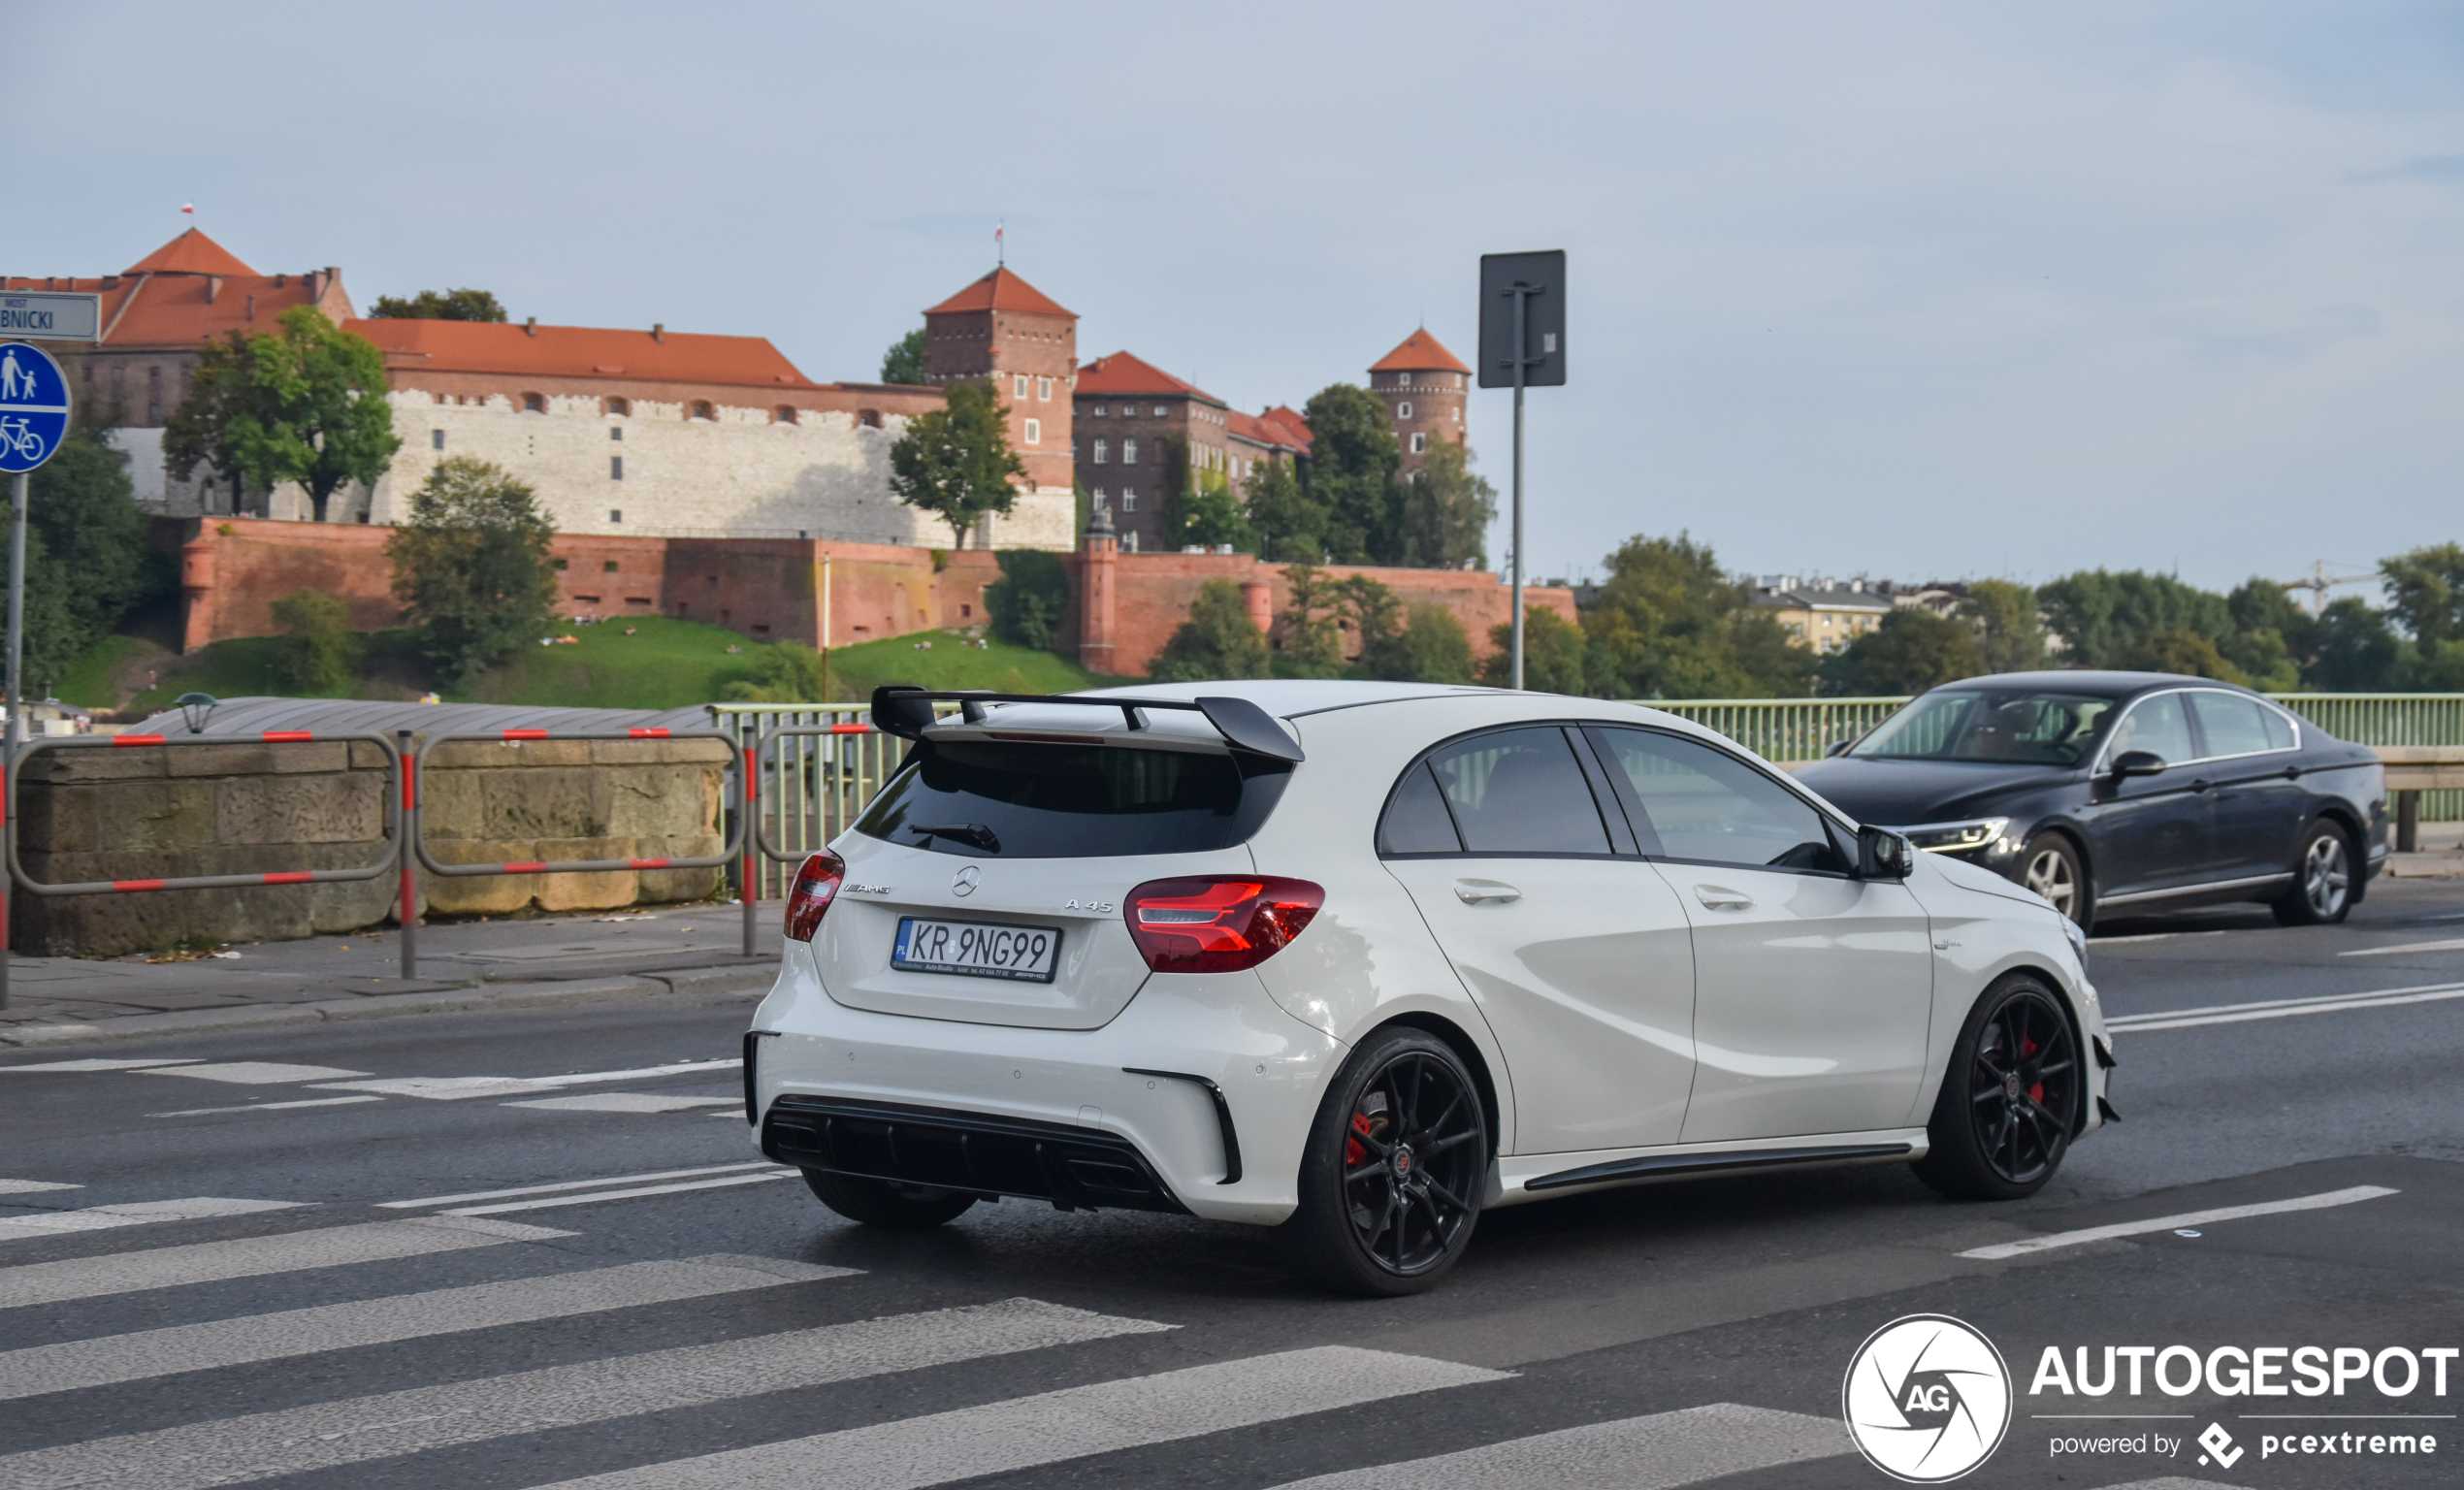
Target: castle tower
(1004, 328)
(1423, 386)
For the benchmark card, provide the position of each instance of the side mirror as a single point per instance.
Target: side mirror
(2137, 762)
(1837, 748)
(1883, 855)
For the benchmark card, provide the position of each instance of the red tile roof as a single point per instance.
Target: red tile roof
(1126, 376)
(171, 311)
(1278, 426)
(1421, 352)
(578, 351)
(190, 253)
(1001, 290)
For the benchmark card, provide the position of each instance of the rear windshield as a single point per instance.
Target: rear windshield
(999, 800)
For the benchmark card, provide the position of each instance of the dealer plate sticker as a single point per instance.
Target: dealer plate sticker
(976, 948)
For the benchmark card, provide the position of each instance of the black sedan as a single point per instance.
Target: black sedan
(2113, 791)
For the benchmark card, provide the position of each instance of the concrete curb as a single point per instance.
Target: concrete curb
(684, 983)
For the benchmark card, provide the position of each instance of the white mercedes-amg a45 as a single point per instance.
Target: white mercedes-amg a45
(1362, 960)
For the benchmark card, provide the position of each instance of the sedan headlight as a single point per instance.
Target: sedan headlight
(1957, 837)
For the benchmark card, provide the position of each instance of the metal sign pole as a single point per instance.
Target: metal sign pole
(16, 609)
(1522, 300)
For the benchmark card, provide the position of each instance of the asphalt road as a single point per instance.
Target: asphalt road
(287, 1262)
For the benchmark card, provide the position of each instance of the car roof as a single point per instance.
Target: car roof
(1292, 697)
(2105, 684)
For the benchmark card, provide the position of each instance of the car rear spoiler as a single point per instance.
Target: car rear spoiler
(906, 711)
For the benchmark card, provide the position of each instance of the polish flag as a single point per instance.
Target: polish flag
(190, 207)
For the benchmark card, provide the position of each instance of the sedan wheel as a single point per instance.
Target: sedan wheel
(2010, 1099)
(2322, 880)
(2050, 866)
(1393, 1176)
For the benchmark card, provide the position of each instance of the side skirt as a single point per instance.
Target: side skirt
(1698, 1163)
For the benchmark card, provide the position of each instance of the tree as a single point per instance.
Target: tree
(1432, 648)
(2271, 636)
(1446, 510)
(2179, 650)
(2009, 637)
(1670, 625)
(1350, 474)
(2356, 653)
(1371, 610)
(1288, 522)
(956, 462)
(471, 567)
(1910, 651)
(304, 403)
(789, 672)
(83, 511)
(1219, 641)
(2425, 590)
(904, 362)
(1027, 602)
(2099, 614)
(1309, 642)
(320, 651)
(1552, 654)
(439, 305)
(1210, 516)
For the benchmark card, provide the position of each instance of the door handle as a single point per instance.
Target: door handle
(2202, 784)
(1720, 897)
(1474, 891)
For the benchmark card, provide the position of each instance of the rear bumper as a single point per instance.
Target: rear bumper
(1202, 1087)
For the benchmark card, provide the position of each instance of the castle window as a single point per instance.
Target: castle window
(1043, 390)
(1129, 499)
(89, 377)
(700, 408)
(1099, 411)
(1160, 410)
(1101, 500)
(1419, 443)
(616, 432)
(1103, 451)
(1018, 385)
(436, 440)
(869, 418)
(557, 565)
(615, 468)
(615, 514)
(1128, 540)
(607, 566)
(617, 406)
(785, 413)
(1035, 432)
(533, 404)
(1129, 452)
(1402, 410)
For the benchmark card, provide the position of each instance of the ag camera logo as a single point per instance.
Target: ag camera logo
(1927, 1399)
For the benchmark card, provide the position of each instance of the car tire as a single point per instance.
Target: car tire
(2322, 880)
(2050, 866)
(887, 1203)
(2010, 1098)
(1394, 1171)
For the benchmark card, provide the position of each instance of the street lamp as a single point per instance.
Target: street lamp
(197, 708)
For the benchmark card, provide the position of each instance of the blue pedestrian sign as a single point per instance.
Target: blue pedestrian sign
(34, 406)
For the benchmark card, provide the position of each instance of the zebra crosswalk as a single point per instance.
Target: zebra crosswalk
(1046, 1386)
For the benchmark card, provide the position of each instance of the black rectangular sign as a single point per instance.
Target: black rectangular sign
(1543, 349)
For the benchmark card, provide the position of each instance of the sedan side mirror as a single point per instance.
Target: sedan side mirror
(2137, 762)
(1883, 855)
(1837, 748)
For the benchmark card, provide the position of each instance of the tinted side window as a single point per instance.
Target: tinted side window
(2235, 725)
(1416, 820)
(2159, 724)
(1519, 792)
(1709, 806)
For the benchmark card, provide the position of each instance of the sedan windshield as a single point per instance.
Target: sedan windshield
(2020, 727)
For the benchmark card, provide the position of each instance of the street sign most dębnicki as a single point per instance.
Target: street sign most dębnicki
(51, 317)
(34, 406)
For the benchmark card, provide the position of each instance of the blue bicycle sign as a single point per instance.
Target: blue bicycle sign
(34, 406)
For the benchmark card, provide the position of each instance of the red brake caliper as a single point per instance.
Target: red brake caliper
(1352, 1151)
(2035, 1094)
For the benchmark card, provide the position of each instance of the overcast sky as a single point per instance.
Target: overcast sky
(1903, 290)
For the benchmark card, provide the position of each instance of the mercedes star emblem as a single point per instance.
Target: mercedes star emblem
(965, 881)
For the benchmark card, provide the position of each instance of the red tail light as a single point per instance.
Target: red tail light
(1219, 924)
(816, 886)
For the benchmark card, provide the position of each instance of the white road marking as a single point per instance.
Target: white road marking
(2282, 1008)
(2053, 1240)
(135, 1213)
(1054, 1427)
(265, 1107)
(214, 1262)
(594, 1196)
(572, 1185)
(99, 1063)
(355, 1430)
(76, 1364)
(31, 1187)
(627, 1102)
(253, 1072)
(1658, 1452)
(2150, 936)
(457, 1089)
(2454, 943)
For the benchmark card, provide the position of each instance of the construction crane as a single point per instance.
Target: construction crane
(2319, 584)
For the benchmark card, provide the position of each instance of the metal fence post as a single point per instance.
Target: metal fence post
(409, 914)
(748, 892)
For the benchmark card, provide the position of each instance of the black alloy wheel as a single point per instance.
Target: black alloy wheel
(2011, 1100)
(1396, 1165)
(2050, 866)
(2322, 880)
(890, 1204)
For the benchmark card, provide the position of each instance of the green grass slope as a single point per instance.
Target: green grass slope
(953, 661)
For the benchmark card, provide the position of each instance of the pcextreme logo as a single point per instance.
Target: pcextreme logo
(1927, 1399)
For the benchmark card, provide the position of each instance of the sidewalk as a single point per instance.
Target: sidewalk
(2442, 856)
(663, 951)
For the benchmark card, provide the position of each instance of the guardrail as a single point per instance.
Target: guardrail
(736, 831)
(395, 821)
(816, 765)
